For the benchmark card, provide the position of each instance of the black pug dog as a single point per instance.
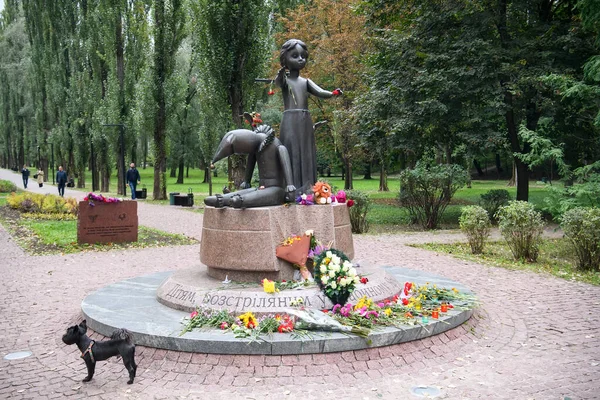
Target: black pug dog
(120, 343)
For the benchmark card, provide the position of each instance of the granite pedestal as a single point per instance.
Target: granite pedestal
(240, 243)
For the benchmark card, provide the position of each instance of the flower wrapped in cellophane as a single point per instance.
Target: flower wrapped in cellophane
(315, 320)
(294, 250)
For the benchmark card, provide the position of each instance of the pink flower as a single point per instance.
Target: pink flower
(224, 325)
(193, 314)
(341, 196)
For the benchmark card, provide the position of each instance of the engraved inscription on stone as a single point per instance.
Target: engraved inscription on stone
(107, 222)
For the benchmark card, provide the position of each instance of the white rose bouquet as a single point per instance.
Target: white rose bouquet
(336, 275)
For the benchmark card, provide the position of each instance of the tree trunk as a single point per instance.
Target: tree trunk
(145, 150)
(498, 166)
(122, 111)
(105, 180)
(520, 168)
(383, 185)
(513, 178)
(206, 175)
(478, 167)
(160, 52)
(368, 171)
(348, 181)
(181, 170)
(237, 165)
(173, 172)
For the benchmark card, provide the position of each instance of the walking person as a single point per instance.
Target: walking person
(25, 173)
(40, 177)
(61, 181)
(133, 178)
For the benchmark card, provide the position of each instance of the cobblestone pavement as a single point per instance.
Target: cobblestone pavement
(533, 337)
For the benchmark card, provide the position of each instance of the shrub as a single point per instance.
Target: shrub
(427, 191)
(38, 203)
(584, 193)
(475, 223)
(493, 200)
(358, 212)
(7, 186)
(582, 227)
(521, 226)
(558, 201)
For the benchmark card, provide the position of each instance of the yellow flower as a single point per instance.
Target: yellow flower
(268, 286)
(248, 319)
(387, 311)
(363, 302)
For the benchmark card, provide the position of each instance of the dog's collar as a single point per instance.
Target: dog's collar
(89, 350)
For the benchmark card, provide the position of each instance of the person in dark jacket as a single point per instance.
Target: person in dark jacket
(25, 173)
(133, 178)
(61, 181)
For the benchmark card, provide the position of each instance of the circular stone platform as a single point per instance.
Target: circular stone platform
(133, 304)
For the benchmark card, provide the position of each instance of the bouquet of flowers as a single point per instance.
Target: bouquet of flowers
(315, 320)
(92, 197)
(294, 250)
(335, 275)
(305, 200)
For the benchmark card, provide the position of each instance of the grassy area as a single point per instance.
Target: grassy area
(60, 236)
(556, 258)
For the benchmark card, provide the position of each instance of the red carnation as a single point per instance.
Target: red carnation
(405, 302)
(364, 280)
(350, 203)
(271, 92)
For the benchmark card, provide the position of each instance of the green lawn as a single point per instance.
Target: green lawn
(50, 236)
(557, 257)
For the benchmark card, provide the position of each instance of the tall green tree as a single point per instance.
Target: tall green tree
(168, 23)
(233, 50)
(16, 146)
(458, 72)
(336, 43)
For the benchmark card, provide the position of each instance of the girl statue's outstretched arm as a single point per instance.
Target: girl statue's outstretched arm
(315, 90)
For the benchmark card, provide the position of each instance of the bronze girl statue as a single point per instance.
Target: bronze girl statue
(296, 131)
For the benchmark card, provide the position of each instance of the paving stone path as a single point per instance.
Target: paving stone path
(533, 337)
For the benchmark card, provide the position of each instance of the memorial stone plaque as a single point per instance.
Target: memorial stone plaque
(107, 222)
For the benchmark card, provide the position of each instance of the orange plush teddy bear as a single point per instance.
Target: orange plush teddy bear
(322, 193)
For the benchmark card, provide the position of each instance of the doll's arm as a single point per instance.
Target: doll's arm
(280, 79)
(315, 90)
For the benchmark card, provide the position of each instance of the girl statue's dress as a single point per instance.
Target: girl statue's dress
(296, 130)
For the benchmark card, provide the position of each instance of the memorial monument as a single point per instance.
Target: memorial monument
(241, 230)
(240, 234)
